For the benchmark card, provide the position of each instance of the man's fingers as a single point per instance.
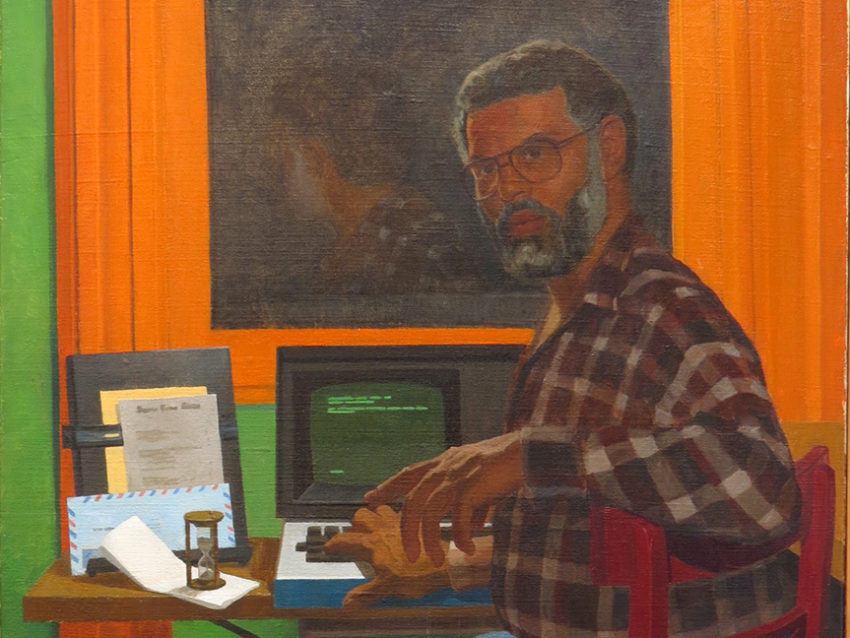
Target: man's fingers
(415, 507)
(467, 520)
(431, 541)
(387, 514)
(365, 595)
(356, 544)
(462, 528)
(479, 517)
(440, 502)
(365, 520)
(398, 485)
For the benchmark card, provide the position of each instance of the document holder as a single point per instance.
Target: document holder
(87, 437)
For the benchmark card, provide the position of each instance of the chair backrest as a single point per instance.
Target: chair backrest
(629, 550)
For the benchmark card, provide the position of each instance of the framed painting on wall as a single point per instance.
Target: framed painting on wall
(336, 196)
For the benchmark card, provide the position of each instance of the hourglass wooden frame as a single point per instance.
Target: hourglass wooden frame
(204, 519)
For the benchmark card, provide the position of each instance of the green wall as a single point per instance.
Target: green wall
(257, 452)
(28, 405)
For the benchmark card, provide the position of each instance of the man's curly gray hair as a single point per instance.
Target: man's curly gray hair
(536, 67)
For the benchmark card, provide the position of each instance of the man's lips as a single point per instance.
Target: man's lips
(525, 223)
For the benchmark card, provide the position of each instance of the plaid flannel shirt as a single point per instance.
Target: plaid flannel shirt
(650, 398)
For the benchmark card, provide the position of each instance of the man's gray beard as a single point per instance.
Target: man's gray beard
(566, 241)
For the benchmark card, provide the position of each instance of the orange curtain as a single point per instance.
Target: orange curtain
(98, 207)
(759, 210)
(759, 187)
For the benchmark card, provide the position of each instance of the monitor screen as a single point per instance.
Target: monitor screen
(373, 417)
(350, 417)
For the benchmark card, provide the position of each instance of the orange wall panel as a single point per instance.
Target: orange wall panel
(759, 190)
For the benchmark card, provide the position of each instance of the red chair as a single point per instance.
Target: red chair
(628, 550)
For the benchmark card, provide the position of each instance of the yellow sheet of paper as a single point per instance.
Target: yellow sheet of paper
(116, 470)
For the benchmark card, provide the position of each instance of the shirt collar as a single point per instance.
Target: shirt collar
(609, 275)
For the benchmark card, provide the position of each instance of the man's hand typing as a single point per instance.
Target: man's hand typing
(463, 481)
(375, 537)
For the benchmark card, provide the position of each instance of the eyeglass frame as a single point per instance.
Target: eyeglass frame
(465, 171)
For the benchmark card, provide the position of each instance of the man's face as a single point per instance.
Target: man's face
(543, 228)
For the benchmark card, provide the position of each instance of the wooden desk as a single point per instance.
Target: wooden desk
(60, 597)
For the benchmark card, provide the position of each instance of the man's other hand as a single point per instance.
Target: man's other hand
(463, 481)
(375, 537)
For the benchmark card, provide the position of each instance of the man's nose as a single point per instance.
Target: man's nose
(512, 186)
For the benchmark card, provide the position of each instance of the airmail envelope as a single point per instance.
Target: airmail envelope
(90, 518)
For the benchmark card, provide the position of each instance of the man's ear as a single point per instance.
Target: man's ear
(612, 146)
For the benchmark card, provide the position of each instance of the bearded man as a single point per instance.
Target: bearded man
(639, 391)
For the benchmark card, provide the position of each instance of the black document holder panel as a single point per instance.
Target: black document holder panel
(88, 438)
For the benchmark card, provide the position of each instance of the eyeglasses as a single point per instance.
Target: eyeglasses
(535, 160)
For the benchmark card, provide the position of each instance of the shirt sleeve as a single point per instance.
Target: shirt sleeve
(710, 458)
(719, 475)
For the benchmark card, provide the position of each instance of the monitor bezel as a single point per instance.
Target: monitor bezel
(436, 365)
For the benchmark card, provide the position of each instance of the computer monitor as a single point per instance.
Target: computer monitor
(349, 417)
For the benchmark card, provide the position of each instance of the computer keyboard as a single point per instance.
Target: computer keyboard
(314, 548)
(314, 545)
(300, 584)
(317, 536)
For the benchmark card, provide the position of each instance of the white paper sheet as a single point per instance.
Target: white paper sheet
(171, 442)
(134, 549)
(116, 471)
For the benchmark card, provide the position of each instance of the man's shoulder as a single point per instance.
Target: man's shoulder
(650, 274)
(660, 300)
(658, 287)
(636, 268)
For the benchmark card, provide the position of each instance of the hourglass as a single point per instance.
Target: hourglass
(205, 524)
